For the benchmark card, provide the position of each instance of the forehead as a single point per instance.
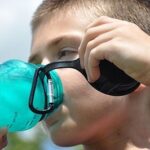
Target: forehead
(59, 26)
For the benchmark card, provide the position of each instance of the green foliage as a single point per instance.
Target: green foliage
(79, 148)
(16, 143)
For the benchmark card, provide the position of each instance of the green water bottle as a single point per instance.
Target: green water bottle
(16, 84)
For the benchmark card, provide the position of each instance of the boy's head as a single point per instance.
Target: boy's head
(85, 11)
(58, 28)
(136, 11)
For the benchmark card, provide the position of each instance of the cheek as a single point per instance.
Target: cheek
(78, 95)
(80, 121)
(84, 109)
(76, 119)
(84, 103)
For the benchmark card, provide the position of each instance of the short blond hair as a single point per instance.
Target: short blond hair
(136, 11)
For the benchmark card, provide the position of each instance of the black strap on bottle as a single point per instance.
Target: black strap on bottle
(112, 81)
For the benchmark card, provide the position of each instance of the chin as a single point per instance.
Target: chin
(65, 137)
(63, 141)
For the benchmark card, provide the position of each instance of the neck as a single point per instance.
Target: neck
(132, 134)
(112, 142)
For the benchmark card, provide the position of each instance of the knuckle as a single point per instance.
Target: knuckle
(103, 18)
(125, 27)
(93, 54)
(133, 26)
(120, 30)
(97, 21)
(114, 44)
(89, 32)
(129, 26)
(124, 22)
(89, 46)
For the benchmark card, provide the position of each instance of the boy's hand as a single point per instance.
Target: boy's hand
(3, 138)
(121, 43)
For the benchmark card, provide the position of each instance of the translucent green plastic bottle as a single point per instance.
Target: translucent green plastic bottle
(16, 79)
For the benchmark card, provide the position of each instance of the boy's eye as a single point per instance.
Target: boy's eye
(67, 53)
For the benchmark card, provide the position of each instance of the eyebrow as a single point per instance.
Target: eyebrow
(59, 39)
(36, 56)
(55, 41)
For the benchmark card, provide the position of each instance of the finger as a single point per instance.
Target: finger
(96, 43)
(94, 73)
(92, 34)
(96, 55)
(103, 20)
(89, 35)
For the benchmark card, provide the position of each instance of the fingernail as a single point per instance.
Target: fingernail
(89, 79)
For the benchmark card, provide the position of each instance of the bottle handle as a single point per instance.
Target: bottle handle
(112, 81)
(47, 108)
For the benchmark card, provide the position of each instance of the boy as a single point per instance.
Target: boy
(61, 29)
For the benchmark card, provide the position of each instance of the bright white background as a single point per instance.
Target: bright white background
(15, 33)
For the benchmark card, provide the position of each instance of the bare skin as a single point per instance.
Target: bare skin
(89, 117)
(120, 42)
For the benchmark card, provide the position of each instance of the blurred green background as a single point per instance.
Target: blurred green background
(34, 139)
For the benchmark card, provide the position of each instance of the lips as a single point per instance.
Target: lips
(52, 121)
(54, 117)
